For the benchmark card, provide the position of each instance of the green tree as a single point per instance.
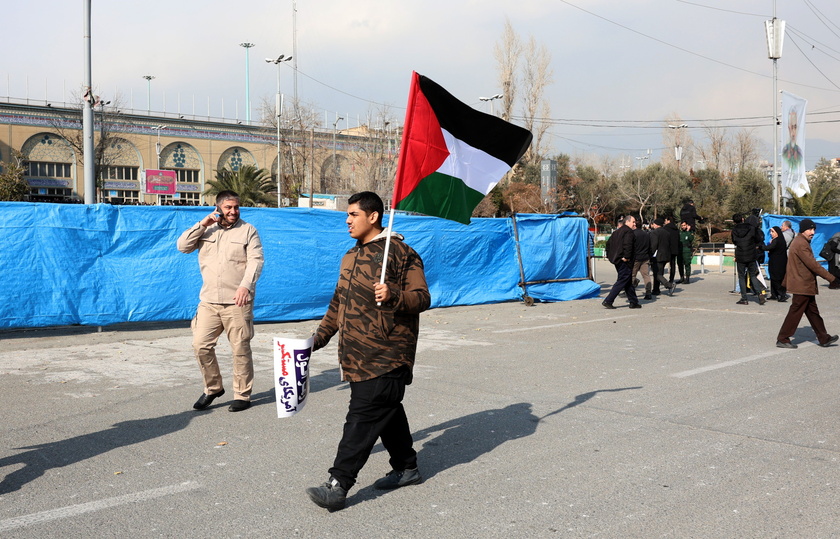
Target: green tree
(13, 186)
(749, 190)
(709, 193)
(252, 184)
(824, 197)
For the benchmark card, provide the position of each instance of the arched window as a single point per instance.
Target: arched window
(50, 169)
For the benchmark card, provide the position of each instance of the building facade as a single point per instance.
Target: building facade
(314, 160)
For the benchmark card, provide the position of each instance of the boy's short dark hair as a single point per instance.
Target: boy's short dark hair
(368, 202)
(737, 218)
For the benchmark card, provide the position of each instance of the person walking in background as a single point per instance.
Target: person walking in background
(777, 252)
(801, 280)
(620, 251)
(674, 245)
(788, 232)
(641, 258)
(747, 242)
(660, 249)
(688, 215)
(230, 257)
(834, 262)
(686, 252)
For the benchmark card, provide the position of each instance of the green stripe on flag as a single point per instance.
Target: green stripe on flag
(442, 196)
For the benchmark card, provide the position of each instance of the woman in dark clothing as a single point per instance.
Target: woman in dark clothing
(777, 249)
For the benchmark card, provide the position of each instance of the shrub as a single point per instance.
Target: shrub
(722, 237)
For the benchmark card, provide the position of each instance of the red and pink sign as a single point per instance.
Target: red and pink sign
(160, 182)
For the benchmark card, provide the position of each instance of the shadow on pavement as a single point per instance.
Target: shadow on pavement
(466, 438)
(38, 459)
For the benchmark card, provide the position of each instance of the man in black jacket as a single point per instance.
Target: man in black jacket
(674, 245)
(747, 239)
(641, 258)
(620, 251)
(660, 250)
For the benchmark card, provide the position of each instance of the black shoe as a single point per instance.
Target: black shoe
(773, 298)
(206, 400)
(762, 298)
(647, 296)
(330, 495)
(784, 298)
(655, 293)
(398, 478)
(607, 305)
(780, 344)
(671, 289)
(831, 340)
(635, 305)
(238, 405)
(742, 302)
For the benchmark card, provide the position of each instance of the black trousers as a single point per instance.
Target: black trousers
(375, 411)
(659, 276)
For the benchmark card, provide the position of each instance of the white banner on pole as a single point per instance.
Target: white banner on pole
(291, 374)
(793, 138)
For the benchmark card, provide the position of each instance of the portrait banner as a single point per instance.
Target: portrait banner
(793, 138)
(291, 374)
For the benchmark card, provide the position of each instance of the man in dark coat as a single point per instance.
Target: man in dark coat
(688, 215)
(674, 244)
(641, 258)
(801, 281)
(747, 240)
(620, 251)
(660, 249)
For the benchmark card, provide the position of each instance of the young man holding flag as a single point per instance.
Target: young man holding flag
(451, 156)
(378, 326)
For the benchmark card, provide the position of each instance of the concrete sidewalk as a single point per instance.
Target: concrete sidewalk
(681, 419)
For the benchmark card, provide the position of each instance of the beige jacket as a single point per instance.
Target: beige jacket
(228, 258)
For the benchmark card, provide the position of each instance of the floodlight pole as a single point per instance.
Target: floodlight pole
(775, 31)
(87, 116)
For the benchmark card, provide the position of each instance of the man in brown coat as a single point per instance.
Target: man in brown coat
(801, 281)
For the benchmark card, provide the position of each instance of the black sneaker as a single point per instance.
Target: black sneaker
(635, 305)
(330, 495)
(398, 478)
(780, 344)
(742, 302)
(831, 340)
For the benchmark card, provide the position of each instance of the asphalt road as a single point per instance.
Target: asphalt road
(681, 419)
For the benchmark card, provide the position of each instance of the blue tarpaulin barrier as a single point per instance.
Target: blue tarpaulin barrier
(65, 264)
(827, 226)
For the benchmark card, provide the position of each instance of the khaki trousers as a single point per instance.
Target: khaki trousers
(238, 323)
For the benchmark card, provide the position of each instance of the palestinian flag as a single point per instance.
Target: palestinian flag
(451, 155)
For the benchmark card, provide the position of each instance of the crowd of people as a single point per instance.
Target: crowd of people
(635, 249)
(791, 264)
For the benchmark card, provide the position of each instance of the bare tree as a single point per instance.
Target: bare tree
(297, 121)
(374, 158)
(507, 53)
(536, 76)
(107, 120)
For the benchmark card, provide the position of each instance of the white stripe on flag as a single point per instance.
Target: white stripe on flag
(477, 169)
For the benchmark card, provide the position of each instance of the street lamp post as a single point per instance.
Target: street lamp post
(148, 92)
(775, 30)
(677, 146)
(335, 163)
(490, 100)
(158, 147)
(277, 111)
(247, 46)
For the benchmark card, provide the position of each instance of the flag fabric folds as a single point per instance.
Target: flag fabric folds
(451, 154)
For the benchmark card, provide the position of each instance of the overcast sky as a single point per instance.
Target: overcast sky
(618, 63)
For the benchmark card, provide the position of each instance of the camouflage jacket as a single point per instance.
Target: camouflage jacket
(374, 340)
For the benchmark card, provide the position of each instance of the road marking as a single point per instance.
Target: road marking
(725, 364)
(729, 311)
(82, 508)
(576, 322)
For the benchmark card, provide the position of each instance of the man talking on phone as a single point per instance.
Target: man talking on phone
(230, 257)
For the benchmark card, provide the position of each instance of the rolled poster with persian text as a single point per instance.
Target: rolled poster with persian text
(291, 374)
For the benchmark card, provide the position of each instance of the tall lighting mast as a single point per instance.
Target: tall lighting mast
(775, 30)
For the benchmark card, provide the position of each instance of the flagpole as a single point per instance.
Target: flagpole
(400, 161)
